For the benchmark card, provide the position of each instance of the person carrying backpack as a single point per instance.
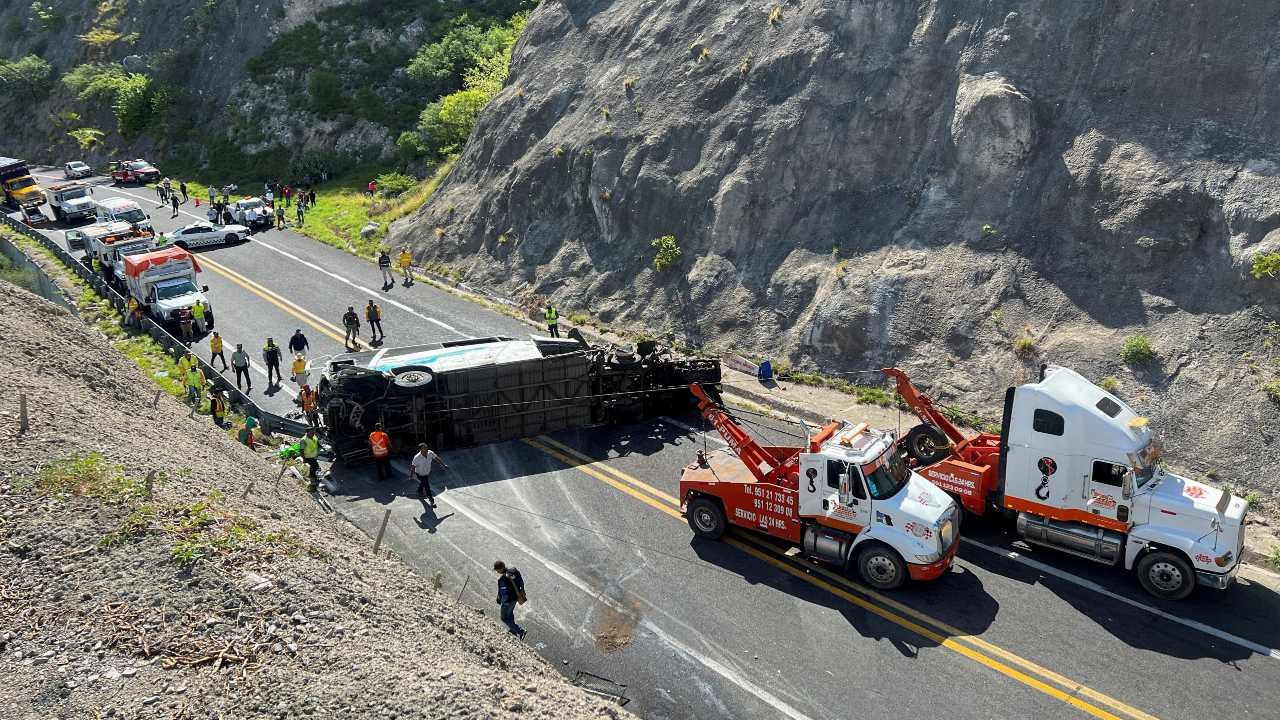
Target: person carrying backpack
(510, 594)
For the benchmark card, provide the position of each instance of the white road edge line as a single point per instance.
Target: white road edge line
(1075, 579)
(361, 288)
(716, 666)
(317, 268)
(1090, 585)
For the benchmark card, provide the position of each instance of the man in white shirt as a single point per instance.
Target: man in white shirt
(420, 467)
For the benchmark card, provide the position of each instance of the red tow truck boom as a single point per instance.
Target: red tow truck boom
(966, 467)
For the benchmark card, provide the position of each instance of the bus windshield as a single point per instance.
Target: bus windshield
(886, 476)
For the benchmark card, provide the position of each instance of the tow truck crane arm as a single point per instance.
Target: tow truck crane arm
(767, 463)
(922, 406)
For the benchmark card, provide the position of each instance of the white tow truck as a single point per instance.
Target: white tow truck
(165, 281)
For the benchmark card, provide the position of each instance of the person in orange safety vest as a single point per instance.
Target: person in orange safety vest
(380, 448)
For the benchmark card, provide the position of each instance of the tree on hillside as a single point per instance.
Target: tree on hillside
(26, 77)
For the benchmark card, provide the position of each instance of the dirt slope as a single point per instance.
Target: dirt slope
(967, 190)
(306, 621)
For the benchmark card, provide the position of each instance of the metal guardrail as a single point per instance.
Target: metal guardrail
(238, 400)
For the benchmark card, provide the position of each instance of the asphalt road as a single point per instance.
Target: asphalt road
(619, 588)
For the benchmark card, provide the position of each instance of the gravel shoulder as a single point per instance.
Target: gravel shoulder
(140, 580)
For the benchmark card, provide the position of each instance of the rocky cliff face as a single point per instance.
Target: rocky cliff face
(933, 185)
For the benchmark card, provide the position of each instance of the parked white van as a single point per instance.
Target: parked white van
(118, 209)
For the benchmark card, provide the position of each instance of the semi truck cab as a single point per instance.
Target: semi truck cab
(1082, 470)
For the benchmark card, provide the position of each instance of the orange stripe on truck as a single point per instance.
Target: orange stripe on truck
(1054, 513)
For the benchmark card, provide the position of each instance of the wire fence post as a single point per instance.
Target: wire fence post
(377, 544)
(23, 423)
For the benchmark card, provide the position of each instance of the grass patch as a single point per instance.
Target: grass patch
(23, 278)
(87, 475)
(1272, 390)
(1024, 344)
(775, 15)
(342, 209)
(1273, 559)
(1110, 384)
(203, 530)
(1265, 265)
(1137, 350)
(579, 319)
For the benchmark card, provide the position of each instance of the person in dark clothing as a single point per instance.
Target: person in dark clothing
(510, 593)
(182, 187)
(311, 200)
(271, 357)
(173, 200)
(298, 342)
(351, 321)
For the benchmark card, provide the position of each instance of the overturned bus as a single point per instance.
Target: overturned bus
(472, 392)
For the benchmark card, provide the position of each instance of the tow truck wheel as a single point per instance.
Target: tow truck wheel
(706, 519)
(1166, 575)
(926, 444)
(881, 567)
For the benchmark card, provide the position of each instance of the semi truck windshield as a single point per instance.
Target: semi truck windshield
(886, 476)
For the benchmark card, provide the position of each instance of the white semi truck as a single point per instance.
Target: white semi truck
(165, 281)
(1080, 473)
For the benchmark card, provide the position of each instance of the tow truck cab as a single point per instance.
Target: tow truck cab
(1081, 470)
(846, 497)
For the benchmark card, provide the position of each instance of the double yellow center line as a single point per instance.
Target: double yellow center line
(1050, 683)
(302, 314)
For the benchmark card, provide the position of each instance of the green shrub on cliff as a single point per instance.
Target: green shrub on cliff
(1266, 265)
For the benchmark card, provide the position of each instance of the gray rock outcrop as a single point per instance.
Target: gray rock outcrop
(858, 184)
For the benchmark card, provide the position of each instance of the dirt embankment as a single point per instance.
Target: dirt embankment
(136, 582)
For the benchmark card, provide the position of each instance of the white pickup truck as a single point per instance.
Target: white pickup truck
(164, 281)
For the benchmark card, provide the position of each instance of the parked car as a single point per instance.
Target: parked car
(76, 169)
(252, 212)
(134, 171)
(202, 234)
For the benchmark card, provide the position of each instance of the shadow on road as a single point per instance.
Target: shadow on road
(938, 599)
(1249, 610)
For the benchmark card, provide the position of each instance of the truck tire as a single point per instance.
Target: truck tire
(231, 239)
(926, 444)
(412, 377)
(881, 567)
(1166, 575)
(706, 519)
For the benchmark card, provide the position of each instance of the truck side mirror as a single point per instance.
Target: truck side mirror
(846, 490)
(1126, 485)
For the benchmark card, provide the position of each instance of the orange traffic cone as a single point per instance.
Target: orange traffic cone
(197, 201)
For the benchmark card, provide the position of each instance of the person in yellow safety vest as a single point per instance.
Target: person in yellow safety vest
(310, 451)
(215, 350)
(553, 321)
(184, 364)
(299, 370)
(310, 398)
(195, 385)
(217, 407)
(406, 262)
(380, 449)
(373, 314)
(197, 315)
